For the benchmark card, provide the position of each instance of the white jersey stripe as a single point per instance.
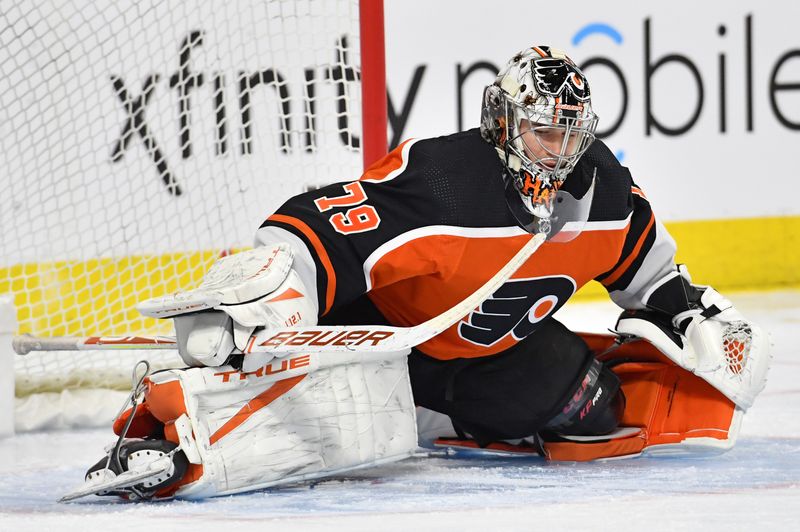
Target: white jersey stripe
(609, 225)
(435, 230)
(468, 232)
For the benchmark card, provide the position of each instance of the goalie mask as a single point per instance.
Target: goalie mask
(538, 116)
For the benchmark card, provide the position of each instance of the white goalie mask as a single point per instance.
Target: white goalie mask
(539, 117)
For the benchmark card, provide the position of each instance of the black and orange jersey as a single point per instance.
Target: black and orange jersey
(428, 224)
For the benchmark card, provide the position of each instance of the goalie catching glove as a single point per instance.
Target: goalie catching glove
(701, 331)
(250, 289)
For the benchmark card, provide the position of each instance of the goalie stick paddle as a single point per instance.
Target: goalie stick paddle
(362, 339)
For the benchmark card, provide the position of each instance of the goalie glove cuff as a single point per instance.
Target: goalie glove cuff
(710, 304)
(674, 293)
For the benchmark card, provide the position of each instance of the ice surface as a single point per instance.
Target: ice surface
(756, 486)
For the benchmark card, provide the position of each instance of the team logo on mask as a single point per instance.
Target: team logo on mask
(516, 308)
(554, 76)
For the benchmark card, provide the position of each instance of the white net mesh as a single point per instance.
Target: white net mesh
(141, 139)
(736, 342)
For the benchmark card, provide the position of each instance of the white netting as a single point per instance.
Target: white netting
(736, 342)
(140, 139)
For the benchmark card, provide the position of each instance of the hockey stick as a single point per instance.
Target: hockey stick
(26, 343)
(332, 338)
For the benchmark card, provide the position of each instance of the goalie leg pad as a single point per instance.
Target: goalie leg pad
(676, 412)
(732, 356)
(668, 411)
(253, 431)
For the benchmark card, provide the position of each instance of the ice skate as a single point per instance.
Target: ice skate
(136, 470)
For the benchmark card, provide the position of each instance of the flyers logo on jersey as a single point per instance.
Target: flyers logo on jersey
(516, 308)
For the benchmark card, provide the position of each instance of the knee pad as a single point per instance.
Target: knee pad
(595, 407)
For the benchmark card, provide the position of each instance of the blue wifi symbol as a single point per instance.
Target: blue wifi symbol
(600, 28)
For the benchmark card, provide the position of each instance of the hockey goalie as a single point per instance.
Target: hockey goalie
(419, 233)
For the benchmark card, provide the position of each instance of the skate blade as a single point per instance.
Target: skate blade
(123, 480)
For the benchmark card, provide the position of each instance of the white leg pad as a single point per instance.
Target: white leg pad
(252, 435)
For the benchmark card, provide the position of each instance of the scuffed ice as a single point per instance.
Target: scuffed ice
(756, 486)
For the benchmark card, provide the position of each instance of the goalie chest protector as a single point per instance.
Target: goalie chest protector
(428, 224)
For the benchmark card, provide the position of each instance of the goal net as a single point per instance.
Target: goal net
(141, 140)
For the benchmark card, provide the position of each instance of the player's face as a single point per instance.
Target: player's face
(546, 143)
